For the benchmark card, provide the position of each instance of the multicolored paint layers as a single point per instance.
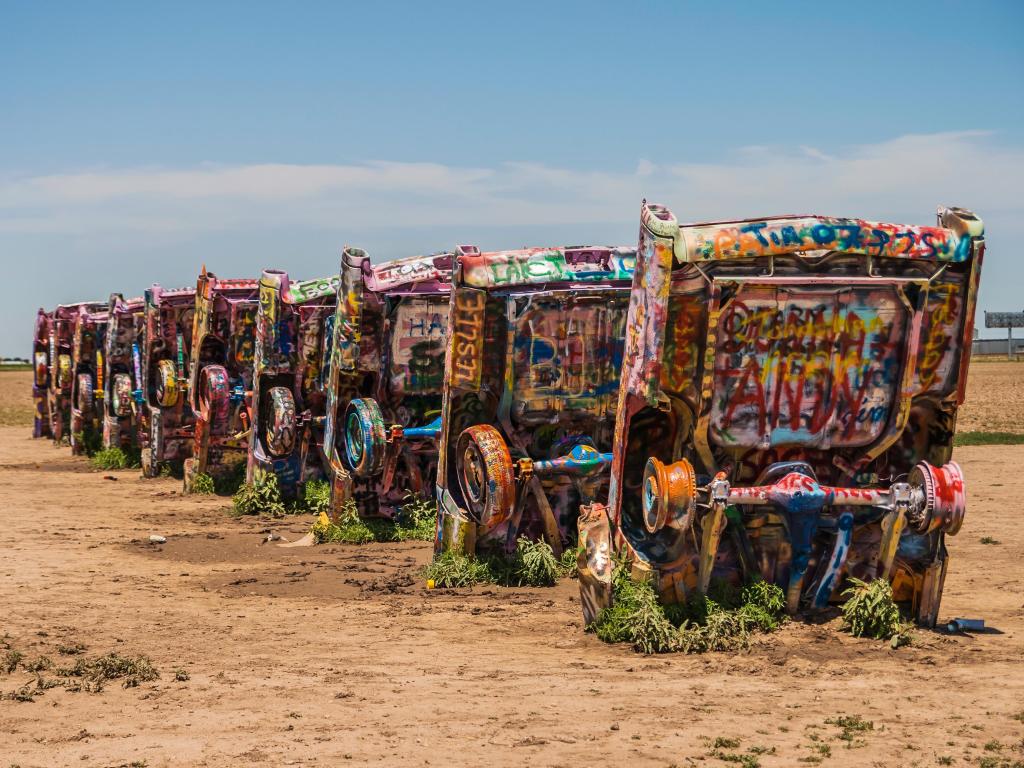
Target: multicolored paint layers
(787, 406)
(287, 394)
(166, 420)
(220, 374)
(122, 373)
(385, 375)
(530, 391)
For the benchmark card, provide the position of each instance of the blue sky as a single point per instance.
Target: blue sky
(141, 140)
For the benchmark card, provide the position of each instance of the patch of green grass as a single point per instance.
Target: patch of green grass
(316, 496)
(722, 742)
(416, 520)
(635, 616)
(260, 497)
(116, 458)
(988, 438)
(91, 441)
(701, 624)
(452, 569)
(71, 649)
(533, 564)
(989, 540)
(870, 611)
(537, 564)
(850, 726)
(203, 484)
(746, 761)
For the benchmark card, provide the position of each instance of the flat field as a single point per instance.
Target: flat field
(339, 655)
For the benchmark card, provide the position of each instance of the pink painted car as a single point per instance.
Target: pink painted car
(530, 393)
(220, 376)
(384, 374)
(122, 372)
(41, 373)
(165, 418)
(787, 408)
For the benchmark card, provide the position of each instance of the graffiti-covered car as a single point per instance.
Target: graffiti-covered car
(787, 408)
(287, 390)
(530, 391)
(122, 371)
(384, 380)
(220, 375)
(165, 416)
(63, 322)
(87, 394)
(41, 373)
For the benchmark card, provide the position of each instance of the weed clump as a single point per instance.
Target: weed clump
(635, 616)
(116, 457)
(416, 519)
(95, 672)
(316, 496)
(261, 496)
(533, 564)
(350, 528)
(721, 621)
(453, 569)
(203, 484)
(88, 675)
(870, 611)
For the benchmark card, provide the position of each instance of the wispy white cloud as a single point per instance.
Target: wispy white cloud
(901, 178)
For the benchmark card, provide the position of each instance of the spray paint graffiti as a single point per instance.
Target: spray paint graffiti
(775, 237)
(41, 365)
(827, 360)
(385, 376)
(166, 420)
(288, 340)
(87, 383)
(219, 385)
(121, 377)
(530, 387)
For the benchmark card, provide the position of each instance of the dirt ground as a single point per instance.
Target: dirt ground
(339, 655)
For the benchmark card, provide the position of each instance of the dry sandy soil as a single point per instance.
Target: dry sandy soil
(339, 655)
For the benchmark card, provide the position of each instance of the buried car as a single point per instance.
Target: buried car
(165, 416)
(787, 408)
(384, 374)
(62, 324)
(220, 376)
(122, 372)
(287, 391)
(529, 395)
(41, 373)
(87, 394)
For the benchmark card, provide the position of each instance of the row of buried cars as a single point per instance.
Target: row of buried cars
(767, 398)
